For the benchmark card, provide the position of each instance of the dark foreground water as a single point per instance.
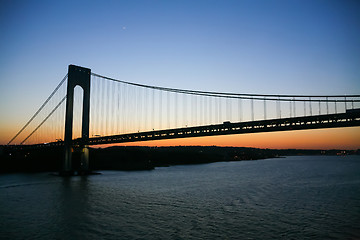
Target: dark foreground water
(312, 197)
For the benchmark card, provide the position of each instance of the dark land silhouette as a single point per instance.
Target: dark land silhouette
(142, 158)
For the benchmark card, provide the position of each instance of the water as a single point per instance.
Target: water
(312, 197)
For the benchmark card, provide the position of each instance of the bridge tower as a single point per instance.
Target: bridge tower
(77, 76)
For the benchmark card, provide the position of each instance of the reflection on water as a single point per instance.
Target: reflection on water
(292, 198)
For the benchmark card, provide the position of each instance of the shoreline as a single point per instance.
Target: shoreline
(131, 158)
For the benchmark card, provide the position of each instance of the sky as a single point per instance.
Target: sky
(269, 47)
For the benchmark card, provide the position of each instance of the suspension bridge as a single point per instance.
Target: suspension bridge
(90, 109)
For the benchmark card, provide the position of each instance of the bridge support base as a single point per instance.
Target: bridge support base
(84, 161)
(67, 166)
(76, 162)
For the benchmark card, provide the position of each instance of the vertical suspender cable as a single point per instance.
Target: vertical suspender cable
(168, 108)
(220, 110)
(294, 107)
(184, 110)
(118, 91)
(335, 106)
(153, 109)
(345, 103)
(252, 109)
(111, 106)
(201, 110)
(227, 109)
(176, 110)
(230, 109)
(206, 111)
(264, 109)
(195, 110)
(327, 106)
(279, 108)
(240, 109)
(210, 110)
(160, 109)
(100, 108)
(141, 117)
(146, 106)
(105, 97)
(124, 107)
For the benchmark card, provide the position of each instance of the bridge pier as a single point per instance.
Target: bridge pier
(67, 163)
(84, 160)
(77, 76)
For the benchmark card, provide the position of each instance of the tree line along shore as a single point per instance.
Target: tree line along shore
(144, 158)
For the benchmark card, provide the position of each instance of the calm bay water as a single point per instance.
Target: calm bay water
(312, 197)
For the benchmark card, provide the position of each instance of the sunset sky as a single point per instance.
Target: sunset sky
(267, 47)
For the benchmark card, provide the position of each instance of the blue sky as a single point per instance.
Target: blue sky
(272, 47)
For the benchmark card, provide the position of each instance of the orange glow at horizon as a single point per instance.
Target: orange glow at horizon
(335, 138)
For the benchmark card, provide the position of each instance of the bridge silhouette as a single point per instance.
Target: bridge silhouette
(92, 109)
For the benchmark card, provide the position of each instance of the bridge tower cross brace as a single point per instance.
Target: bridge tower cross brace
(77, 76)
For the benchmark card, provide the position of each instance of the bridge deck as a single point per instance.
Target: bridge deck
(348, 119)
(285, 124)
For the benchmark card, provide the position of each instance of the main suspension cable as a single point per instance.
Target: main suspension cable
(268, 97)
(39, 110)
(47, 117)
